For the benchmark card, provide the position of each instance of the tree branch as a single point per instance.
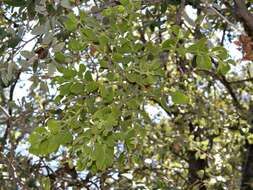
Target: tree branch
(8, 122)
(5, 112)
(226, 84)
(244, 16)
(179, 12)
(242, 81)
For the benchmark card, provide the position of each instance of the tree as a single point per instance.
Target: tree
(98, 71)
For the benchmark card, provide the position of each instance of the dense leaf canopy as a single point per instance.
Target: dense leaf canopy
(126, 94)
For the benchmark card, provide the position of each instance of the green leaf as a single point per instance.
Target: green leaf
(124, 2)
(59, 57)
(199, 47)
(41, 28)
(44, 148)
(69, 73)
(76, 45)
(103, 41)
(16, 3)
(223, 68)
(35, 138)
(103, 156)
(102, 113)
(169, 44)
(133, 103)
(77, 88)
(179, 98)
(204, 62)
(109, 155)
(27, 54)
(58, 47)
(250, 138)
(40, 130)
(149, 80)
(89, 34)
(103, 64)
(46, 183)
(220, 52)
(164, 6)
(134, 77)
(82, 68)
(64, 89)
(130, 134)
(53, 144)
(91, 86)
(177, 31)
(71, 23)
(81, 71)
(107, 93)
(116, 57)
(64, 137)
(98, 152)
(34, 149)
(53, 126)
(13, 42)
(120, 9)
(127, 47)
(83, 15)
(88, 76)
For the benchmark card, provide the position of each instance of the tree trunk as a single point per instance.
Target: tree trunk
(196, 165)
(247, 171)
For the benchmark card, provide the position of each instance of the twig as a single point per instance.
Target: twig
(223, 35)
(179, 12)
(224, 18)
(226, 84)
(242, 81)
(5, 112)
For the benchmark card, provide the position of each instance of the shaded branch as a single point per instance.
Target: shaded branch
(244, 16)
(241, 81)
(8, 122)
(179, 12)
(224, 18)
(5, 112)
(227, 85)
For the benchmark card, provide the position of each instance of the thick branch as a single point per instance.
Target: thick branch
(8, 122)
(244, 16)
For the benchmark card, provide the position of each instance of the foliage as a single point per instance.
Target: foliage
(95, 67)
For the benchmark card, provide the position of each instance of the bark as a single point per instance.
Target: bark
(196, 165)
(247, 172)
(244, 16)
(247, 164)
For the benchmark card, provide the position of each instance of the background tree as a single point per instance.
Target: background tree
(126, 94)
